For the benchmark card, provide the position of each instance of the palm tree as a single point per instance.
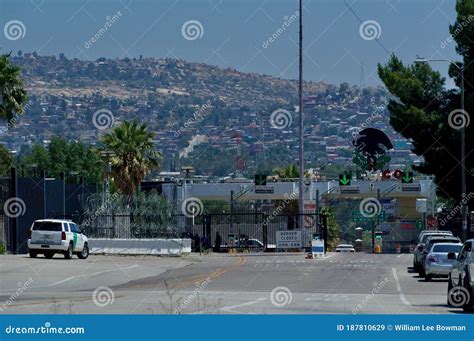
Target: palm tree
(134, 155)
(12, 92)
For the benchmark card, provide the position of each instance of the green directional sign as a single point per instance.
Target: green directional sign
(344, 180)
(407, 177)
(358, 217)
(260, 179)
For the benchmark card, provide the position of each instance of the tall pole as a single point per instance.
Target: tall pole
(466, 229)
(301, 127)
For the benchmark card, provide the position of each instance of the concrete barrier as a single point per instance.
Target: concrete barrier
(169, 247)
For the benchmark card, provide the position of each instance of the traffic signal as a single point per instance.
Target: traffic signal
(407, 177)
(260, 179)
(344, 179)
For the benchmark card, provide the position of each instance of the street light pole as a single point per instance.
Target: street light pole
(301, 120)
(465, 228)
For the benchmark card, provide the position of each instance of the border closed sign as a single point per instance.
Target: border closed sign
(288, 239)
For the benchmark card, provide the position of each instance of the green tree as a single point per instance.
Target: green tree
(62, 156)
(134, 155)
(12, 92)
(289, 172)
(421, 106)
(35, 160)
(6, 161)
(59, 153)
(333, 228)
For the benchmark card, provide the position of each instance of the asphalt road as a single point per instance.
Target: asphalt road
(219, 284)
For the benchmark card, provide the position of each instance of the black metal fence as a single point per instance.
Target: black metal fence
(208, 230)
(23, 200)
(126, 225)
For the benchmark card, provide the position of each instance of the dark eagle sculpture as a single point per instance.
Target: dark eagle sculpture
(372, 144)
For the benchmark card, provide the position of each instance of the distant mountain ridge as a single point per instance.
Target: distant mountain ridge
(149, 74)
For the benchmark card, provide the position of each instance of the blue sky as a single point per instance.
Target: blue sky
(232, 33)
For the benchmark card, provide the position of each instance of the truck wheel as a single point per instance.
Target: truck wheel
(33, 254)
(84, 253)
(422, 272)
(69, 253)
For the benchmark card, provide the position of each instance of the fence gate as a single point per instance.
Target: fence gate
(237, 225)
(260, 226)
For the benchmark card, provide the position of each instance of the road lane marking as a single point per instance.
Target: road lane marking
(204, 278)
(399, 288)
(73, 277)
(230, 308)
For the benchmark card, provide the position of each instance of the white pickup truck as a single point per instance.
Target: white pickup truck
(51, 236)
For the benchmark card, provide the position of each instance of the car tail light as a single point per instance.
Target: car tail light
(29, 234)
(432, 259)
(63, 235)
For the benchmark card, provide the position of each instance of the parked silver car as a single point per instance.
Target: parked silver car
(437, 262)
(420, 247)
(429, 244)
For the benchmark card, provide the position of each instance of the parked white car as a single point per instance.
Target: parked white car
(345, 248)
(51, 236)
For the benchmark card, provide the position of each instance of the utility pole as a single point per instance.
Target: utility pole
(317, 209)
(301, 120)
(465, 226)
(231, 211)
